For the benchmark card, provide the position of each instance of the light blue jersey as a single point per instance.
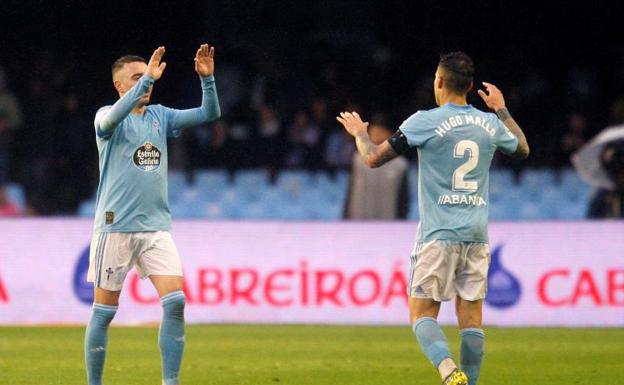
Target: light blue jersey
(455, 149)
(132, 194)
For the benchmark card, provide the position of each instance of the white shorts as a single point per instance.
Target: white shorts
(112, 255)
(441, 269)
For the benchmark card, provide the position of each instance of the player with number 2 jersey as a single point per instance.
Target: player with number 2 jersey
(456, 143)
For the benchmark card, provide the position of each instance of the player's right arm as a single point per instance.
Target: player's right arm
(495, 101)
(108, 118)
(373, 155)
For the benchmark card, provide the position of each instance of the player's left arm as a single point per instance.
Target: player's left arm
(373, 155)
(209, 109)
(494, 99)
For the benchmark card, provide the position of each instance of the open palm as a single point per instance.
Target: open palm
(352, 123)
(204, 60)
(154, 67)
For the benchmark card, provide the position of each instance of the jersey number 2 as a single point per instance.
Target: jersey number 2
(459, 183)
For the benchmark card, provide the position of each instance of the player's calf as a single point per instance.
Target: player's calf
(471, 353)
(171, 336)
(435, 345)
(96, 341)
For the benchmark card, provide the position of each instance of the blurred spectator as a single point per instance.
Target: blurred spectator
(573, 139)
(231, 85)
(240, 150)
(270, 141)
(379, 193)
(320, 115)
(10, 120)
(339, 149)
(609, 203)
(304, 138)
(7, 208)
(40, 110)
(217, 143)
(580, 85)
(73, 159)
(205, 146)
(617, 111)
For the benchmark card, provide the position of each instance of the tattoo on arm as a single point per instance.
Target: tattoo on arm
(523, 146)
(374, 155)
(364, 145)
(503, 114)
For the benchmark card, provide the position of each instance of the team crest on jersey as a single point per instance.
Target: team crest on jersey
(156, 127)
(147, 157)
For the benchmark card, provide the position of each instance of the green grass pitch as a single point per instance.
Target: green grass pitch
(300, 355)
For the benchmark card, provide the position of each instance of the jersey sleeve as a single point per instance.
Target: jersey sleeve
(417, 129)
(99, 115)
(504, 139)
(208, 111)
(108, 118)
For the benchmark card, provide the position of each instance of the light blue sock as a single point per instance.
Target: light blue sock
(432, 340)
(96, 340)
(171, 337)
(471, 353)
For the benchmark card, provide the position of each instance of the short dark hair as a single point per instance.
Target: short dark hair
(126, 59)
(459, 71)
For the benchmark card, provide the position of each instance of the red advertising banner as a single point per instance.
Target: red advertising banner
(546, 273)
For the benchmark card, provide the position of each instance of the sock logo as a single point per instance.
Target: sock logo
(504, 288)
(97, 349)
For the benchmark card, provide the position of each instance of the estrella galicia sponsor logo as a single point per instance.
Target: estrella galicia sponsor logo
(504, 289)
(82, 288)
(147, 157)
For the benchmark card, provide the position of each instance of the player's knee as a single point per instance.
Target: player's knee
(416, 315)
(102, 315)
(469, 313)
(468, 320)
(173, 304)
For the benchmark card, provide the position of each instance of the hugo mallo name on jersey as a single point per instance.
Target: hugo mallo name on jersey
(455, 145)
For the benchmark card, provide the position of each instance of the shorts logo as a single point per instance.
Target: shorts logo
(109, 271)
(147, 157)
(504, 289)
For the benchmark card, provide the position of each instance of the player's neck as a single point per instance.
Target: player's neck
(454, 99)
(138, 110)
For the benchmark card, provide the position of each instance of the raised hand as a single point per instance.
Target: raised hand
(493, 98)
(155, 68)
(353, 123)
(204, 60)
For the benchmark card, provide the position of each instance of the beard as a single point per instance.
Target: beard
(144, 101)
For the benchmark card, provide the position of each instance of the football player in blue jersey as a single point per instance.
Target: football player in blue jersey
(132, 219)
(450, 260)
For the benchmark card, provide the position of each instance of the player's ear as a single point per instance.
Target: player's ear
(440, 82)
(118, 86)
(470, 86)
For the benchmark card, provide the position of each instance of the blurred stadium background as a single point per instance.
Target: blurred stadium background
(276, 171)
(284, 70)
